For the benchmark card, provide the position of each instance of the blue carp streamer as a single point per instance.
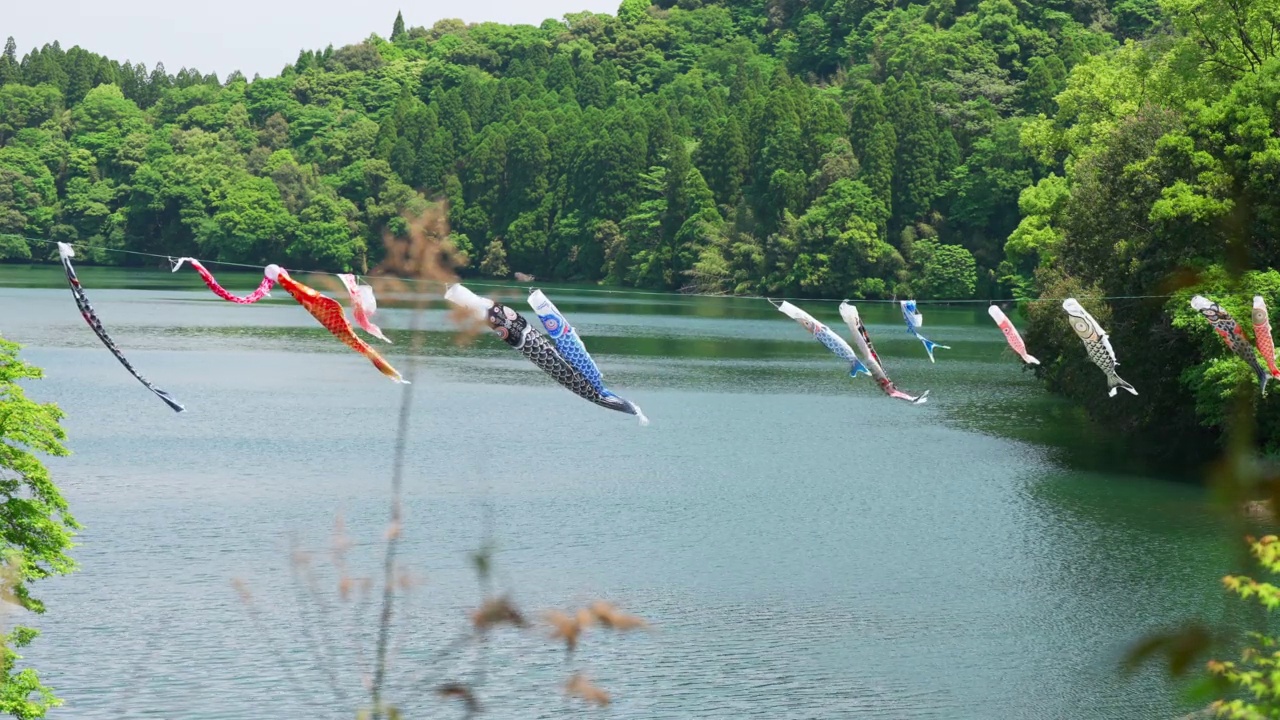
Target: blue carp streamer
(566, 339)
(915, 321)
(826, 336)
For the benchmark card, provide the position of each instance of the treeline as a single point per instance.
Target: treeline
(837, 147)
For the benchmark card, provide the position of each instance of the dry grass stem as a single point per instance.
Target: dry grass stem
(426, 254)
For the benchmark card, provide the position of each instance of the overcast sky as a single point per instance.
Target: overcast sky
(253, 36)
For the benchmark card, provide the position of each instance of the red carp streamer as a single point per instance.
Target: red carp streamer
(363, 305)
(1262, 334)
(264, 288)
(1011, 334)
(330, 314)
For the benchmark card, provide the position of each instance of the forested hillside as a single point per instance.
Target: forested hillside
(835, 147)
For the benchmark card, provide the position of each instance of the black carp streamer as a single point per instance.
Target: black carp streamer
(86, 311)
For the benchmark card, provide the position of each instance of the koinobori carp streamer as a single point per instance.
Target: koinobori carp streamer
(1262, 334)
(65, 252)
(1096, 344)
(264, 287)
(824, 335)
(863, 342)
(1011, 334)
(915, 321)
(515, 331)
(566, 339)
(329, 313)
(363, 305)
(1232, 334)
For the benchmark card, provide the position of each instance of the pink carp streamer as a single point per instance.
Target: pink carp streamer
(363, 305)
(1011, 334)
(330, 314)
(264, 288)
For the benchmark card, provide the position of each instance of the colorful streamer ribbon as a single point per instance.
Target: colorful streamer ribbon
(65, 252)
(264, 288)
(330, 314)
(363, 305)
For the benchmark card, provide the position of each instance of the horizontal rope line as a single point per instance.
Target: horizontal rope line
(603, 291)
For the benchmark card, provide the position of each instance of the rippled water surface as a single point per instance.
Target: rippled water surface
(804, 546)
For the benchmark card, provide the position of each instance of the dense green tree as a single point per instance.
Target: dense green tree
(1162, 165)
(37, 529)
(916, 174)
(10, 70)
(494, 263)
(878, 163)
(944, 271)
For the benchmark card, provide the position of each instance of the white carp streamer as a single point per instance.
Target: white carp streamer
(1096, 344)
(863, 341)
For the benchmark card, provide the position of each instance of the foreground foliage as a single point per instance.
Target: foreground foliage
(1255, 677)
(35, 524)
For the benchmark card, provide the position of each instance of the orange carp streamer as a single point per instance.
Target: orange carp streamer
(330, 314)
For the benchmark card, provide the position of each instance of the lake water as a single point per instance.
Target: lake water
(803, 546)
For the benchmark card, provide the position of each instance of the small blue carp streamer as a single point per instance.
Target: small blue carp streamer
(65, 252)
(824, 335)
(568, 344)
(515, 331)
(915, 321)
